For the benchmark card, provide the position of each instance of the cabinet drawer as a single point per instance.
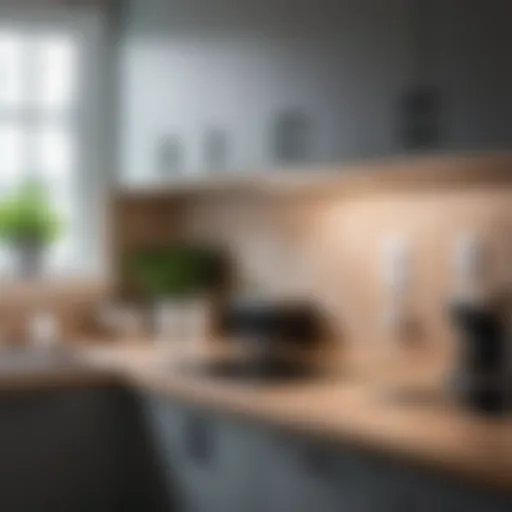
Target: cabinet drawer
(305, 475)
(443, 495)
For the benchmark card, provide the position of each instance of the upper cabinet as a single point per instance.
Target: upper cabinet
(469, 41)
(251, 86)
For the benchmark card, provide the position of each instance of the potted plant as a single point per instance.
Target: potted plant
(177, 281)
(28, 224)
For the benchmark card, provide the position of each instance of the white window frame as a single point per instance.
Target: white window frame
(91, 125)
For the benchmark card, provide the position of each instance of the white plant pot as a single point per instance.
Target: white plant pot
(197, 318)
(182, 319)
(166, 319)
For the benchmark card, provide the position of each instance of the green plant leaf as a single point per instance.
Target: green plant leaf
(175, 271)
(27, 216)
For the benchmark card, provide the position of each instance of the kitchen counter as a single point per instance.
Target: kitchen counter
(35, 369)
(422, 428)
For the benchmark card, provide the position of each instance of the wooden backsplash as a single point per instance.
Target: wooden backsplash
(332, 250)
(74, 303)
(329, 247)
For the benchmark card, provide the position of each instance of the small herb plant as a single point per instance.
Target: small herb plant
(27, 216)
(175, 272)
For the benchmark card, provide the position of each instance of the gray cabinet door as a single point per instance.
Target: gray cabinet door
(306, 476)
(312, 476)
(208, 460)
(443, 495)
(238, 468)
(188, 487)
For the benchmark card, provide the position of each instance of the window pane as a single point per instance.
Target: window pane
(54, 155)
(57, 78)
(53, 158)
(11, 70)
(12, 162)
(38, 83)
(62, 199)
(61, 252)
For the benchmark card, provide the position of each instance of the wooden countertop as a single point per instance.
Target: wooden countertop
(421, 428)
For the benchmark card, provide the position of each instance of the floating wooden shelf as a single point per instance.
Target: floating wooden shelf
(396, 174)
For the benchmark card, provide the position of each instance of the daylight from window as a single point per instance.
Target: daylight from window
(39, 133)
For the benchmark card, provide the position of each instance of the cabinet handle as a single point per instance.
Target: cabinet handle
(198, 440)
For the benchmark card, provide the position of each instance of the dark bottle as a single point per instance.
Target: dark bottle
(481, 374)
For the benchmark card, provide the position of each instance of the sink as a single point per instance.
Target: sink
(268, 371)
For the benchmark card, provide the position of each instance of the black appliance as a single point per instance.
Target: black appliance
(261, 327)
(273, 324)
(481, 377)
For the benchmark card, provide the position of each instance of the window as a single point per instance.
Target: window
(39, 101)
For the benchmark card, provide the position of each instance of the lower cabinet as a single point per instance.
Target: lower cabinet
(442, 496)
(78, 449)
(308, 476)
(305, 476)
(217, 464)
(208, 462)
(60, 450)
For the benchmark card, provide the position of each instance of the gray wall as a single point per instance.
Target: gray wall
(190, 64)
